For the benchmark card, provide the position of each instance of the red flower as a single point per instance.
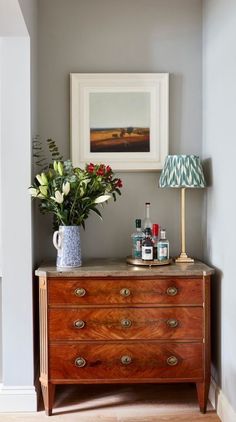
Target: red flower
(101, 170)
(90, 168)
(119, 183)
(108, 169)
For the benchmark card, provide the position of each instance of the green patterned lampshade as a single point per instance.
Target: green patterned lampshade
(182, 171)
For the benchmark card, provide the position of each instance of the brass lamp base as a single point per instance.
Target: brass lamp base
(184, 258)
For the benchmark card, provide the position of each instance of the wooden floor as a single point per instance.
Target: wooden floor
(129, 403)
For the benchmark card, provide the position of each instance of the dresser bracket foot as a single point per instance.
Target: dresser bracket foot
(48, 391)
(202, 394)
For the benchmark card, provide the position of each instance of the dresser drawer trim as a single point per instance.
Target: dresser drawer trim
(126, 324)
(125, 292)
(124, 360)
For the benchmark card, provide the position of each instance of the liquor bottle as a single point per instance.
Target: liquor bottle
(155, 229)
(137, 239)
(147, 246)
(163, 247)
(147, 224)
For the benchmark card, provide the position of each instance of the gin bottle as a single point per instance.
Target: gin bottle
(147, 221)
(137, 239)
(163, 247)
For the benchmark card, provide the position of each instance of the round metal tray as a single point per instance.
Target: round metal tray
(135, 261)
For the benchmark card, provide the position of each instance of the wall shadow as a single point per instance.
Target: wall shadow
(216, 332)
(216, 284)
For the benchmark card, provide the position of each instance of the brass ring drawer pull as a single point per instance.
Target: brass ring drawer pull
(80, 362)
(125, 292)
(172, 291)
(172, 360)
(126, 323)
(80, 291)
(79, 324)
(172, 323)
(126, 360)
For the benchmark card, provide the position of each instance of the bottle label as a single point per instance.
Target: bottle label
(147, 253)
(139, 245)
(163, 251)
(137, 248)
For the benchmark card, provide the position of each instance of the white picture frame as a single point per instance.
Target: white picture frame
(121, 120)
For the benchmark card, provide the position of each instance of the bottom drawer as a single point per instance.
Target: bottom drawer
(119, 361)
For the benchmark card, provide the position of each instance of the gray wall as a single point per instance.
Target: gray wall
(219, 146)
(125, 36)
(29, 10)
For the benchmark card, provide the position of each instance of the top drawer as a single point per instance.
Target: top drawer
(125, 291)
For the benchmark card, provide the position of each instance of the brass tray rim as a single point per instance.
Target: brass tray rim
(136, 261)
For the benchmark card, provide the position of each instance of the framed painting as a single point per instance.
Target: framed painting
(120, 119)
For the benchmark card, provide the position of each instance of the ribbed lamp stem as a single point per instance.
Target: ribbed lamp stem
(183, 241)
(183, 256)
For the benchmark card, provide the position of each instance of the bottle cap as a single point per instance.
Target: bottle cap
(155, 229)
(148, 231)
(163, 233)
(138, 223)
(147, 203)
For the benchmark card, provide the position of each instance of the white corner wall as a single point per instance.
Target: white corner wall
(17, 392)
(219, 148)
(0, 214)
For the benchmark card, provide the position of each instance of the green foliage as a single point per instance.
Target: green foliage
(71, 193)
(39, 155)
(54, 151)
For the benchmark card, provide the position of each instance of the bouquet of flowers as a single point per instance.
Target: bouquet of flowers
(70, 193)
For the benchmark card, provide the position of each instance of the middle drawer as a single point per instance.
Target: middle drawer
(136, 323)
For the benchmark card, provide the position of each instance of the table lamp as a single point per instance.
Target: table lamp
(182, 171)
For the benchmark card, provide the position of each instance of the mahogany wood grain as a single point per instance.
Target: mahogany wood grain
(202, 394)
(103, 361)
(203, 387)
(126, 324)
(143, 349)
(108, 291)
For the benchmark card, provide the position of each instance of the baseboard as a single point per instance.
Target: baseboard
(220, 402)
(17, 399)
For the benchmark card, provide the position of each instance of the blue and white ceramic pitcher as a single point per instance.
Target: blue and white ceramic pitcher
(67, 242)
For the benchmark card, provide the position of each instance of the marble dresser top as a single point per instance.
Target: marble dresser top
(118, 267)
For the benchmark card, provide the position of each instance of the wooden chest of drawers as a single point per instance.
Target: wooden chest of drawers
(108, 322)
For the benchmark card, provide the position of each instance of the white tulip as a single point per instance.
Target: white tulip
(60, 168)
(43, 190)
(102, 198)
(66, 188)
(42, 179)
(59, 197)
(33, 192)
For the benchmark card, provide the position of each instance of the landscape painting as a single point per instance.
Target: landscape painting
(120, 119)
(119, 122)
